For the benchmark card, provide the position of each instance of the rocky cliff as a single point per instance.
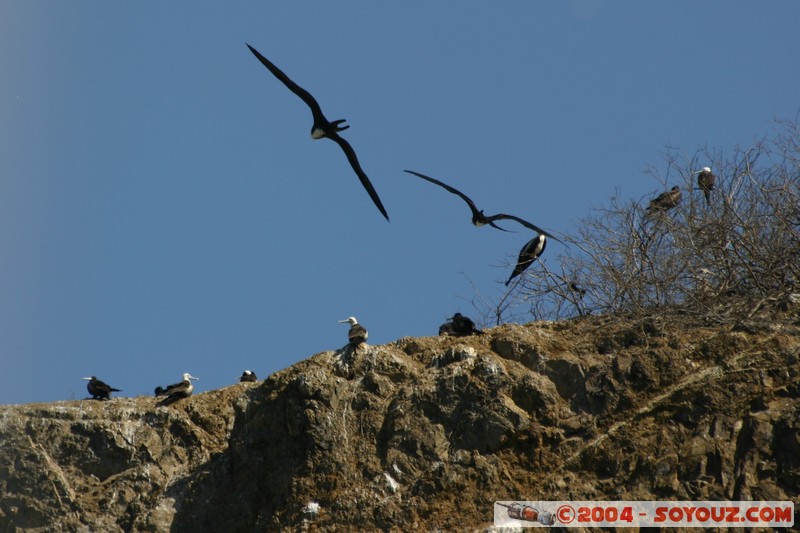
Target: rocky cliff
(425, 434)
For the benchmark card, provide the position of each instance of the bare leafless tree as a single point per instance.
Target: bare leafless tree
(721, 259)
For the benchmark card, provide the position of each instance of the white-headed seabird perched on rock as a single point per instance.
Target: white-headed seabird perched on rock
(706, 180)
(324, 128)
(248, 376)
(177, 391)
(665, 200)
(459, 326)
(478, 218)
(98, 389)
(357, 334)
(532, 250)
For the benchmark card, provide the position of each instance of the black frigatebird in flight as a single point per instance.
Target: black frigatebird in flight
(478, 218)
(322, 127)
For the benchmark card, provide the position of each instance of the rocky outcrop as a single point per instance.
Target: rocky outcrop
(425, 434)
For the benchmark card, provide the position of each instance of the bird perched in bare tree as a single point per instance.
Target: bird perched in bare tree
(665, 200)
(532, 249)
(706, 180)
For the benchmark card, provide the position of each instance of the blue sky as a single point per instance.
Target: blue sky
(163, 208)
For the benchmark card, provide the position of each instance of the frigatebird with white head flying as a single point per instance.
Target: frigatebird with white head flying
(322, 127)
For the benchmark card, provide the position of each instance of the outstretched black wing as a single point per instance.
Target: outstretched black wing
(316, 110)
(470, 203)
(502, 216)
(351, 157)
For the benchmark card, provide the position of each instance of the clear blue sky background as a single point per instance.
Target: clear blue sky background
(163, 208)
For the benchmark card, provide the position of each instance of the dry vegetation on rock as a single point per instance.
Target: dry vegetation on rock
(723, 261)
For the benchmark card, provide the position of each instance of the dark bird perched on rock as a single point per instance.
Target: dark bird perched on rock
(248, 376)
(665, 200)
(459, 326)
(706, 180)
(177, 391)
(532, 250)
(478, 218)
(322, 127)
(357, 334)
(98, 389)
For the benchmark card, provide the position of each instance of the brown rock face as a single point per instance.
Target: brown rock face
(424, 434)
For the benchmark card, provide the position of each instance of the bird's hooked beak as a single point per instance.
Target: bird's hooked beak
(87, 379)
(192, 377)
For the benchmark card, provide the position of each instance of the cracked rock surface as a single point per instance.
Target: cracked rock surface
(425, 434)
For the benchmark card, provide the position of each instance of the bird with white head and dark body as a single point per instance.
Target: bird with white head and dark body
(248, 377)
(323, 128)
(176, 391)
(529, 253)
(98, 389)
(358, 334)
(706, 180)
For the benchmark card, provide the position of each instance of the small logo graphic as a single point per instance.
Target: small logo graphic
(565, 514)
(517, 511)
(652, 513)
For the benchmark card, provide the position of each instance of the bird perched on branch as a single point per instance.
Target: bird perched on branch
(322, 127)
(706, 180)
(98, 389)
(529, 253)
(665, 200)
